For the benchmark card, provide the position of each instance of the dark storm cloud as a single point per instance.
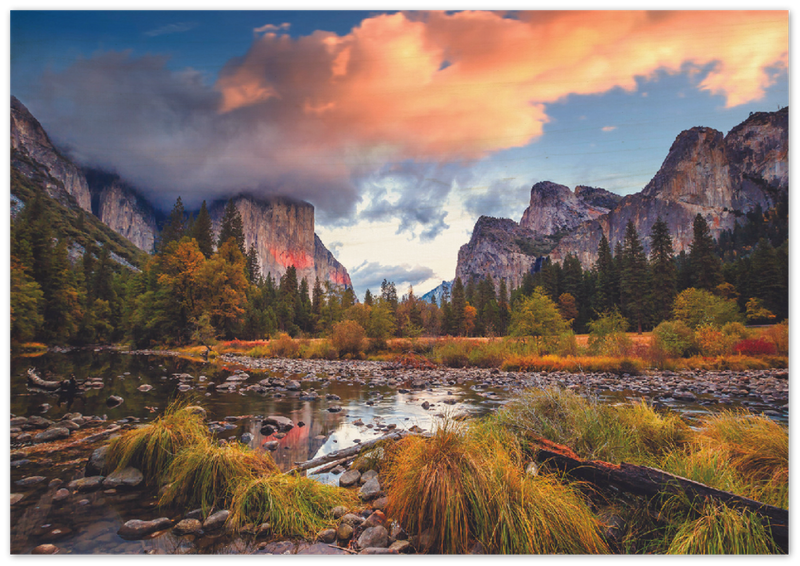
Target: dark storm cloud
(506, 198)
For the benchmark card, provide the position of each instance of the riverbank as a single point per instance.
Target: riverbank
(759, 391)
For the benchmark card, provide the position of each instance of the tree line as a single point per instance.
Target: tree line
(197, 288)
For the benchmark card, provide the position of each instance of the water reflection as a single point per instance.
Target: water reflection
(88, 523)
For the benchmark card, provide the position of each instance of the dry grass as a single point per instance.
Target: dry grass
(468, 483)
(206, 474)
(294, 506)
(151, 448)
(722, 530)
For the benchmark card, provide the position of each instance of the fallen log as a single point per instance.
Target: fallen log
(345, 452)
(645, 481)
(328, 467)
(36, 381)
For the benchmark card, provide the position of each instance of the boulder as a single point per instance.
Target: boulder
(349, 478)
(92, 483)
(61, 495)
(344, 532)
(215, 521)
(114, 401)
(366, 476)
(30, 480)
(128, 477)
(352, 520)
(187, 527)
(283, 424)
(54, 433)
(319, 548)
(375, 550)
(370, 490)
(327, 536)
(137, 529)
(45, 549)
(339, 511)
(376, 519)
(401, 546)
(96, 465)
(374, 537)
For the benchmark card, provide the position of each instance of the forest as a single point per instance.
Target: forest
(197, 289)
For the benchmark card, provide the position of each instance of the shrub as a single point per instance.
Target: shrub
(755, 347)
(452, 353)
(320, 350)
(537, 316)
(696, 307)
(607, 335)
(674, 337)
(736, 330)
(284, 347)
(348, 338)
(778, 334)
(712, 342)
(567, 345)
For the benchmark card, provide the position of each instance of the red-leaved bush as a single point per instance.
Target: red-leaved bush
(755, 347)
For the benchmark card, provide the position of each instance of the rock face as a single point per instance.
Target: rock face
(704, 173)
(503, 249)
(280, 228)
(122, 209)
(555, 209)
(282, 231)
(34, 155)
(719, 177)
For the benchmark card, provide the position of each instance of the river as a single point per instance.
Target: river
(333, 405)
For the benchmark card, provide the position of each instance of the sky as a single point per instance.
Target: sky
(402, 128)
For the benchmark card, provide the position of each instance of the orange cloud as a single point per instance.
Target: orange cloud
(460, 86)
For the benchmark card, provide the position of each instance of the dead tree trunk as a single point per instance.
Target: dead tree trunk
(641, 480)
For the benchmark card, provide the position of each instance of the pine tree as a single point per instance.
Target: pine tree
(253, 272)
(663, 270)
(604, 295)
(175, 228)
(368, 298)
(202, 231)
(459, 303)
(634, 279)
(706, 268)
(767, 283)
(231, 226)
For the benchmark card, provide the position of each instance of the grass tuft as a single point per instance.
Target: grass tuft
(722, 530)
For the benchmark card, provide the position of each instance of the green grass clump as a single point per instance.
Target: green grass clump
(632, 433)
(722, 530)
(295, 506)
(468, 483)
(151, 448)
(206, 474)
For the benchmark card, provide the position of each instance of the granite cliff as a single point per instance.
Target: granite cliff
(281, 229)
(719, 177)
(34, 155)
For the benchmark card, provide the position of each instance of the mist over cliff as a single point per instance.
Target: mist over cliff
(280, 228)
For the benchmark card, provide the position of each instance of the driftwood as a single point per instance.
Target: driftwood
(36, 381)
(345, 453)
(328, 467)
(642, 480)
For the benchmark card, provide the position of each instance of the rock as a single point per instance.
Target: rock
(195, 514)
(352, 519)
(375, 550)
(368, 475)
(70, 425)
(334, 409)
(349, 478)
(327, 536)
(339, 511)
(45, 549)
(397, 532)
(477, 548)
(370, 490)
(137, 529)
(246, 438)
(61, 495)
(55, 433)
(97, 462)
(38, 422)
(374, 537)
(30, 480)
(283, 424)
(82, 485)
(16, 498)
(128, 477)
(272, 445)
(216, 520)
(380, 503)
(337, 470)
(293, 385)
(376, 519)
(344, 532)
(282, 547)
(401, 547)
(114, 401)
(187, 527)
(532, 469)
(426, 405)
(319, 548)
(145, 388)
(266, 430)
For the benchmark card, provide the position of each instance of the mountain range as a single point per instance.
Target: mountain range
(721, 177)
(281, 229)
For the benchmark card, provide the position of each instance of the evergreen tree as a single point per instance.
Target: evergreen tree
(231, 227)
(706, 268)
(766, 280)
(368, 298)
(663, 270)
(459, 303)
(202, 231)
(604, 295)
(633, 280)
(504, 314)
(253, 272)
(175, 228)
